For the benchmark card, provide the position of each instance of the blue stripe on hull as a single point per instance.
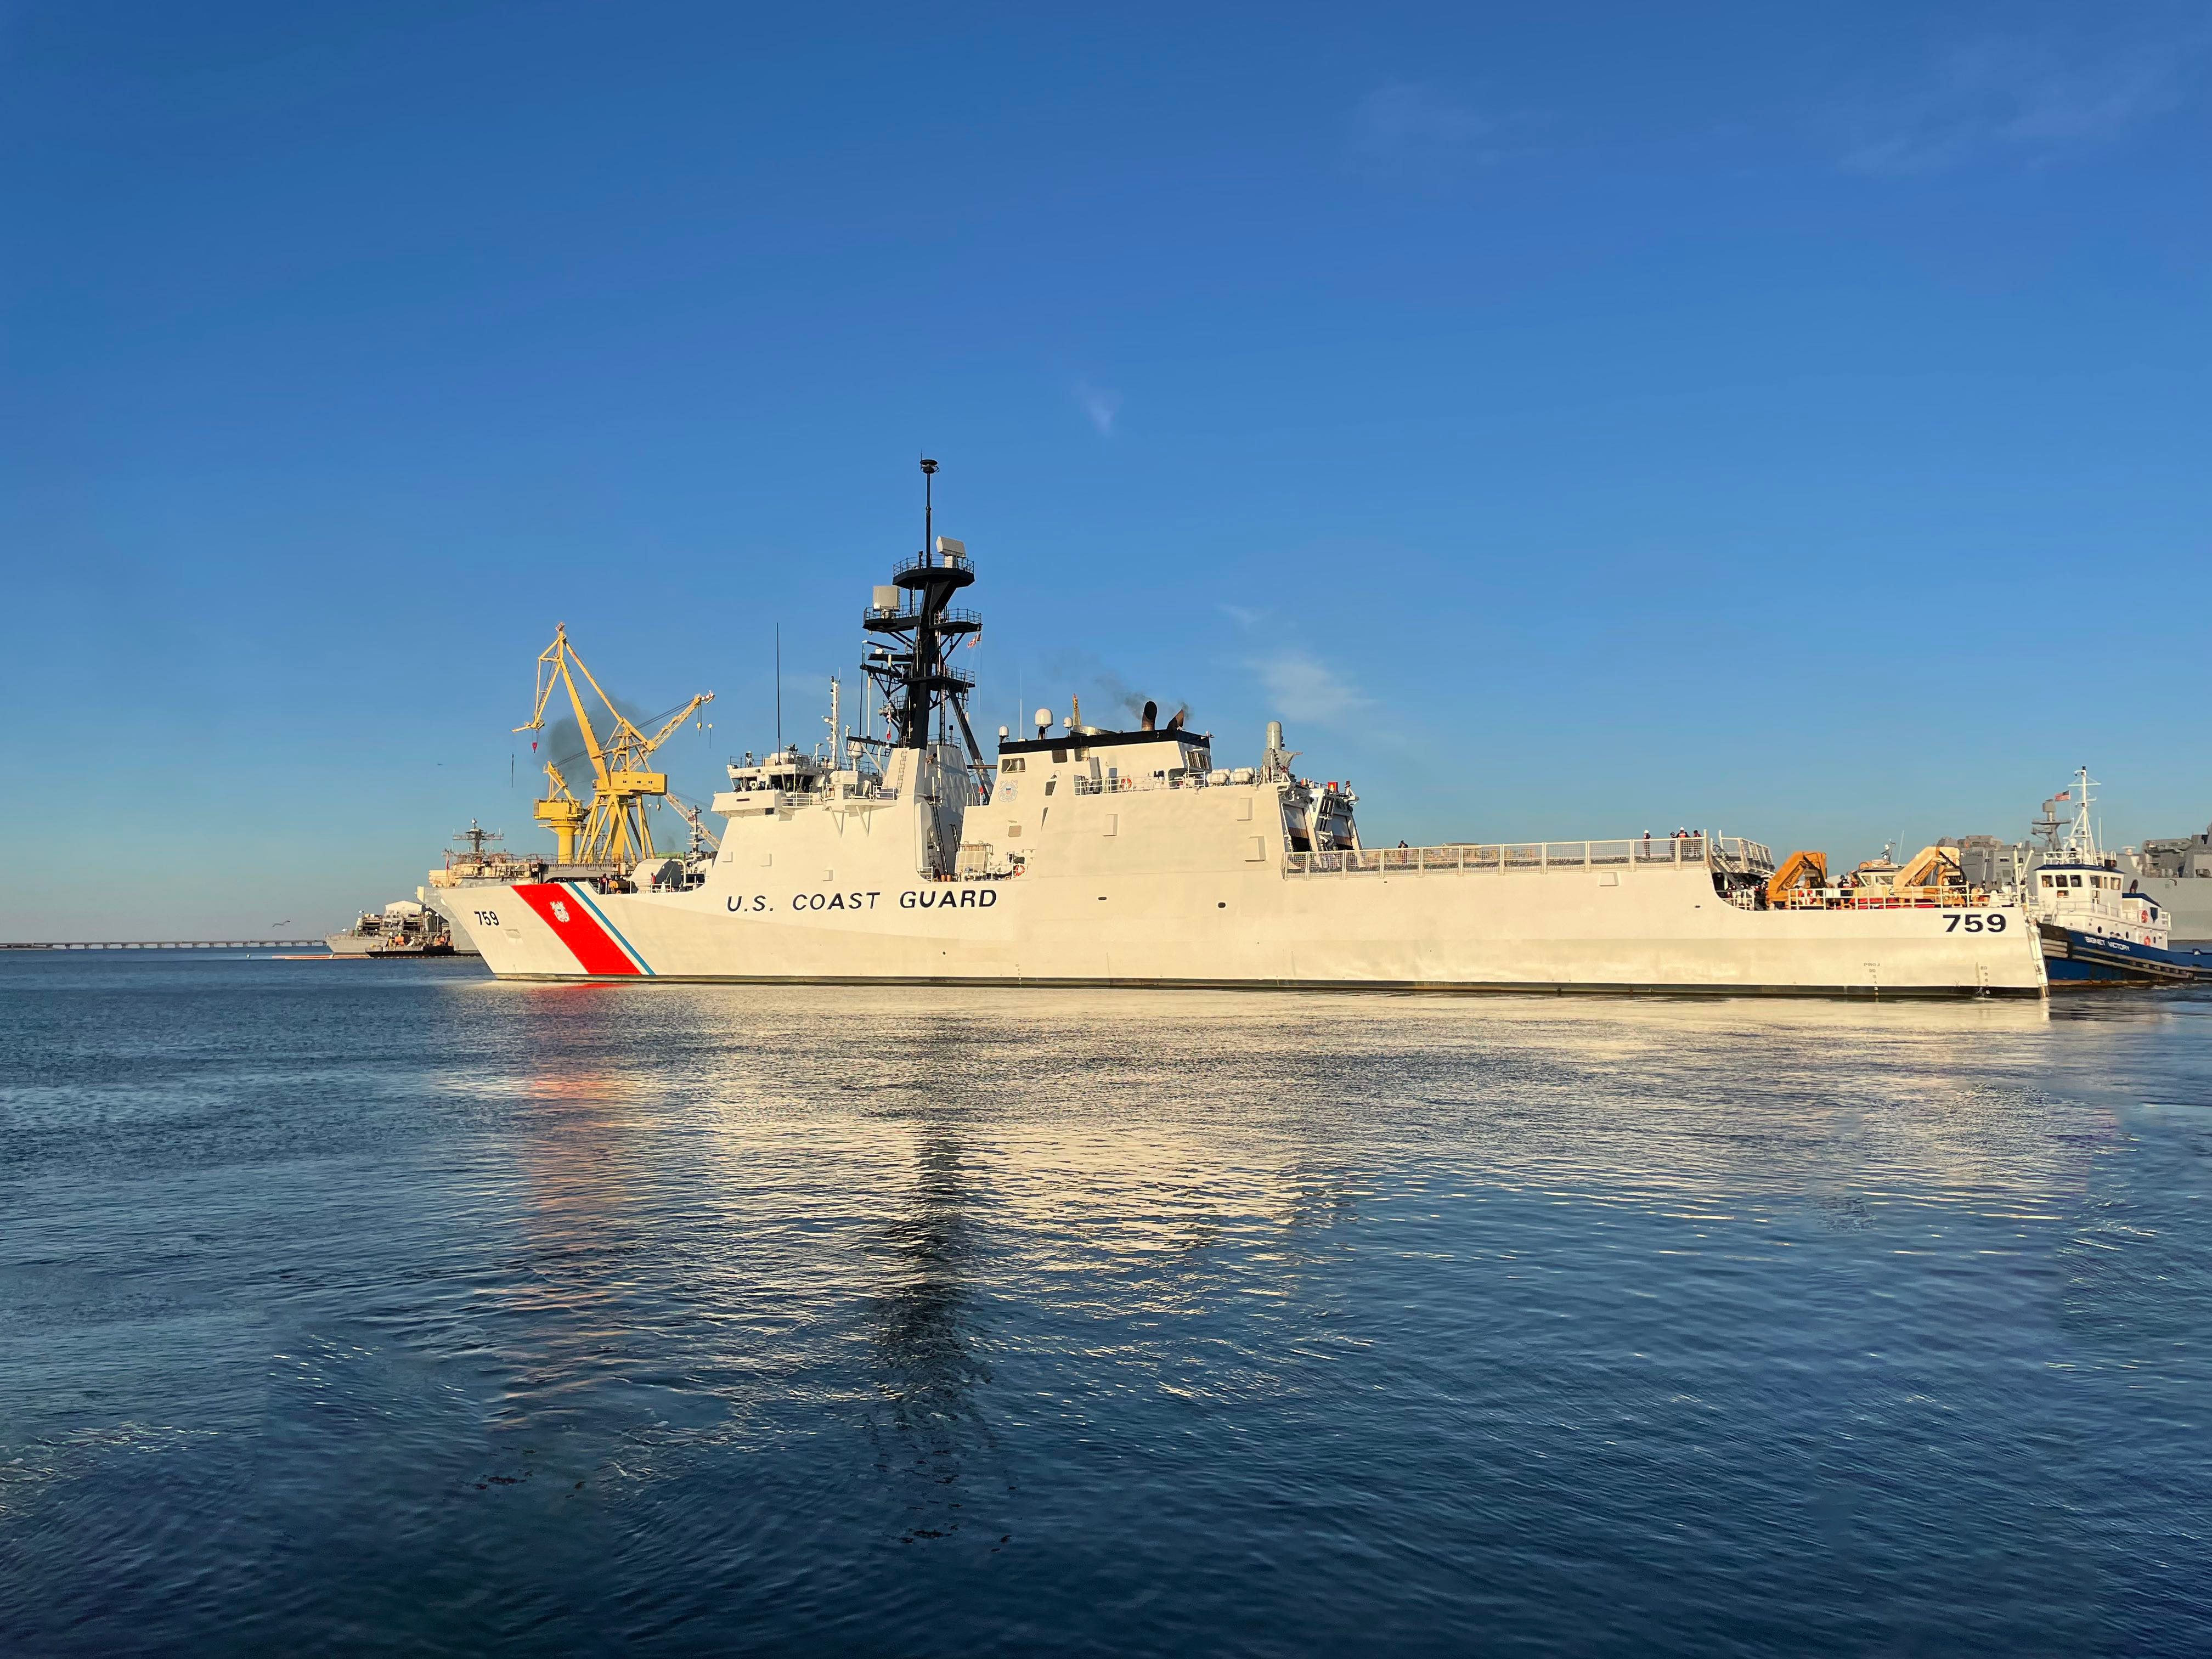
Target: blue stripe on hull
(613, 931)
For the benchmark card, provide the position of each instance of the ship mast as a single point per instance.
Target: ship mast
(475, 837)
(2078, 840)
(2082, 840)
(914, 671)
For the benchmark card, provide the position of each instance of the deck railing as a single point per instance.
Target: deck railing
(1726, 852)
(1133, 785)
(914, 562)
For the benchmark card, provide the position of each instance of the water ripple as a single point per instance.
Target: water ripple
(395, 1307)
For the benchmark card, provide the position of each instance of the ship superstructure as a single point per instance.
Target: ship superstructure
(1085, 856)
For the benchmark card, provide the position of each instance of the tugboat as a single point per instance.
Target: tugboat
(2097, 930)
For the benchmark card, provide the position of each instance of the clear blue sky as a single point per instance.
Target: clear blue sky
(1570, 420)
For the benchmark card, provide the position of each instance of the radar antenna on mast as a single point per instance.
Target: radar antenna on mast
(476, 838)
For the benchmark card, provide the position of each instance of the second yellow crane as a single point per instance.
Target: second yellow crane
(613, 828)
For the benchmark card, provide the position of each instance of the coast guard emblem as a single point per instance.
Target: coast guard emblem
(560, 911)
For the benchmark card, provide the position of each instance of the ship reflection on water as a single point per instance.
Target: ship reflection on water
(901, 1319)
(931, 1432)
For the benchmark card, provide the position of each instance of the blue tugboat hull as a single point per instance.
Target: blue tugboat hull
(2072, 957)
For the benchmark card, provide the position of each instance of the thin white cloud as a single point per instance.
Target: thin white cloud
(1243, 616)
(1100, 405)
(1408, 128)
(2027, 99)
(1302, 687)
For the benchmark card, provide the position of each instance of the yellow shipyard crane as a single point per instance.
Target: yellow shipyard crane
(613, 828)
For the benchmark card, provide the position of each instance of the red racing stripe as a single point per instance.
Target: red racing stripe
(567, 915)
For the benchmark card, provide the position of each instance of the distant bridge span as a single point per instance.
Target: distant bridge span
(163, 945)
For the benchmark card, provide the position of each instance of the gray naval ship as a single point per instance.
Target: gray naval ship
(2175, 874)
(405, 927)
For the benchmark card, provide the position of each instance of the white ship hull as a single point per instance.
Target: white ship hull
(810, 893)
(1549, 932)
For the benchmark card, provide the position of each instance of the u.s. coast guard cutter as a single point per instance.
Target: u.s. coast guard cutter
(1081, 856)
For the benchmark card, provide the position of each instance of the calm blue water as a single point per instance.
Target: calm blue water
(378, 1305)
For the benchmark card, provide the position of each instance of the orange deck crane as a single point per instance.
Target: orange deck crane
(1931, 876)
(1798, 872)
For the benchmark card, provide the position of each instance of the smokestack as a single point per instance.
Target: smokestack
(1175, 720)
(1151, 714)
